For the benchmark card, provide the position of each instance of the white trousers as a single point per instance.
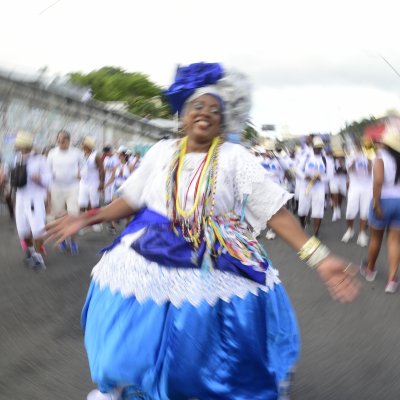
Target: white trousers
(358, 201)
(108, 193)
(338, 185)
(314, 200)
(89, 194)
(64, 200)
(30, 215)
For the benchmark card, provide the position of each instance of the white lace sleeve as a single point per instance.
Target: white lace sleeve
(133, 190)
(264, 197)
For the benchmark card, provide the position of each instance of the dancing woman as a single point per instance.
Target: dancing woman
(185, 304)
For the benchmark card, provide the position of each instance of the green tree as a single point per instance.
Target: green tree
(250, 134)
(143, 97)
(357, 127)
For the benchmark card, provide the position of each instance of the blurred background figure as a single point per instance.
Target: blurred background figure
(120, 174)
(384, 213)
(359, 194)
(92, 178)
(275, 171)
(5, 188)
(271, 163)
(110, 161)
(313, 171)
(338, 183)
(65, 162)
(31, 177)
(134, 162)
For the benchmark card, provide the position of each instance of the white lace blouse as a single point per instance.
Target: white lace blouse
(239, 174)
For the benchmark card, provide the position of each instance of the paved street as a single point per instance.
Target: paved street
(348, 351)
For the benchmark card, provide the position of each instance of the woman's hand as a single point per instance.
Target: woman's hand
(377, 209)
(69, 225)
(340, 278)
(64, 227)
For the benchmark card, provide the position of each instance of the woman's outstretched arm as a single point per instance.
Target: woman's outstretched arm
(338, 275)
(69, 225)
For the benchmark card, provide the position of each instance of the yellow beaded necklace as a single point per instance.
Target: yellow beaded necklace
(183, 213)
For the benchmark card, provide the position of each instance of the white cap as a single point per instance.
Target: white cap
(122, 149)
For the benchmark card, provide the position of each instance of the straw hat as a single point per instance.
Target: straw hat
(338, 153)
(318, 142)
(24, 140)
(89, 142)
(391, 138)
(269, 145)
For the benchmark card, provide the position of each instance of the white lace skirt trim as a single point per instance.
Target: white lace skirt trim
(125, 271)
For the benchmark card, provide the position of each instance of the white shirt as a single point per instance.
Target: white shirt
(390, 189)
(357, 167)
(122, 173)
(274, 169)
(90, 172)
(65, 166)
(239, 174)
(36, 165)
(312, 165)
(110, 162)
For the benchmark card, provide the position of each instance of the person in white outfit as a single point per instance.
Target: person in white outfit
(338, 183)
(272, 164)
(119, 176)
(31, 177)
(359, 195)
(275, 172)
(313, 170)
(92, 178)
(301, 155)
(134, 162)
(5, 189)
(110, 161)
(65, 163)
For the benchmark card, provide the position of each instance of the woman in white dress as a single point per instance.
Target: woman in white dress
(185, 304)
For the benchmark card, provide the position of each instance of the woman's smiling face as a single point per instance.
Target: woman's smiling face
(202, 118)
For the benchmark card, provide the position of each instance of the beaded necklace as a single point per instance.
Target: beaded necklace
(192, 221)
(198, 225)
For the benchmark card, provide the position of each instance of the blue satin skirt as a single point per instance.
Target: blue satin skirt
(239, 350)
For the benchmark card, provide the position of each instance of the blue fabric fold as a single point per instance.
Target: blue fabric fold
(160, 244)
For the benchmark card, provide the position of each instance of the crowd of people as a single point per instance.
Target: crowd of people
(176, 297)
(62, 179)
(320, 176)
(363, 173)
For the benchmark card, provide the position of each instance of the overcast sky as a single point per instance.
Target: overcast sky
(313, 64)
